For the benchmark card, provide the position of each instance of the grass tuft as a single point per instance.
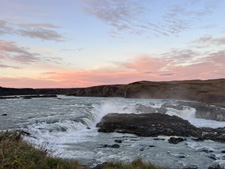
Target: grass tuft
(17, 154)
(137, 164)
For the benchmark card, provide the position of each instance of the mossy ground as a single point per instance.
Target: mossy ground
(17, 154)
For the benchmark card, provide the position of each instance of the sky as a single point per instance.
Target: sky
(81, 43)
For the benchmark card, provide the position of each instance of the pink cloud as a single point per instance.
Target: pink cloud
(143, 67)
(146, 63)
(213, 66)
(2, 56)
(28, 83)
(10, 50)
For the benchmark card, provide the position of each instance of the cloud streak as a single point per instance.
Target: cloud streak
(167, 74)
(5, 28)
(41, 25)
(11, 51)
(40, 31)
(209, 40)
(6, 66)
(118, 14)
(136, 18)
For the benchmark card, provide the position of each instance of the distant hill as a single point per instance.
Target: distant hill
(208, 91)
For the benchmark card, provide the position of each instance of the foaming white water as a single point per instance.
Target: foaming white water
(188, 113)
(66, 128)
(110, 107)
(206, 123)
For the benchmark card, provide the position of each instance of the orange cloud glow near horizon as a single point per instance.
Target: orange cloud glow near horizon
(140, 68)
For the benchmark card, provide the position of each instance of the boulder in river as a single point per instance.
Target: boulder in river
(174, 140)
(215, 166)
(153, 124)
(111, 146)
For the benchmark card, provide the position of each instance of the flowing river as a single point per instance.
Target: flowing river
(65, 126)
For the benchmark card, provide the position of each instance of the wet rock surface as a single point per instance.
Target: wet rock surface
(9, 97)
(213, 134)
(155, 124)
(110, 146)
(215, 166)
(39, 96)
(118, 141)
(174, 140)
(212, 156)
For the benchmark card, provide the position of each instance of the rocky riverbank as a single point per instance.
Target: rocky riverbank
(207, 91)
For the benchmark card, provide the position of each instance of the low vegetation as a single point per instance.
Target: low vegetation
(137, 164)
(17, 154)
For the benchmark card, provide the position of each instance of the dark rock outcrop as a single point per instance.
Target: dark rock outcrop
(174, 140)
(9, 97)
(118, 141)
(217, 134)
(215, 166)
(40, 96)
(29, 91)
(212, 156)
(111, 146)
(153, 124)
